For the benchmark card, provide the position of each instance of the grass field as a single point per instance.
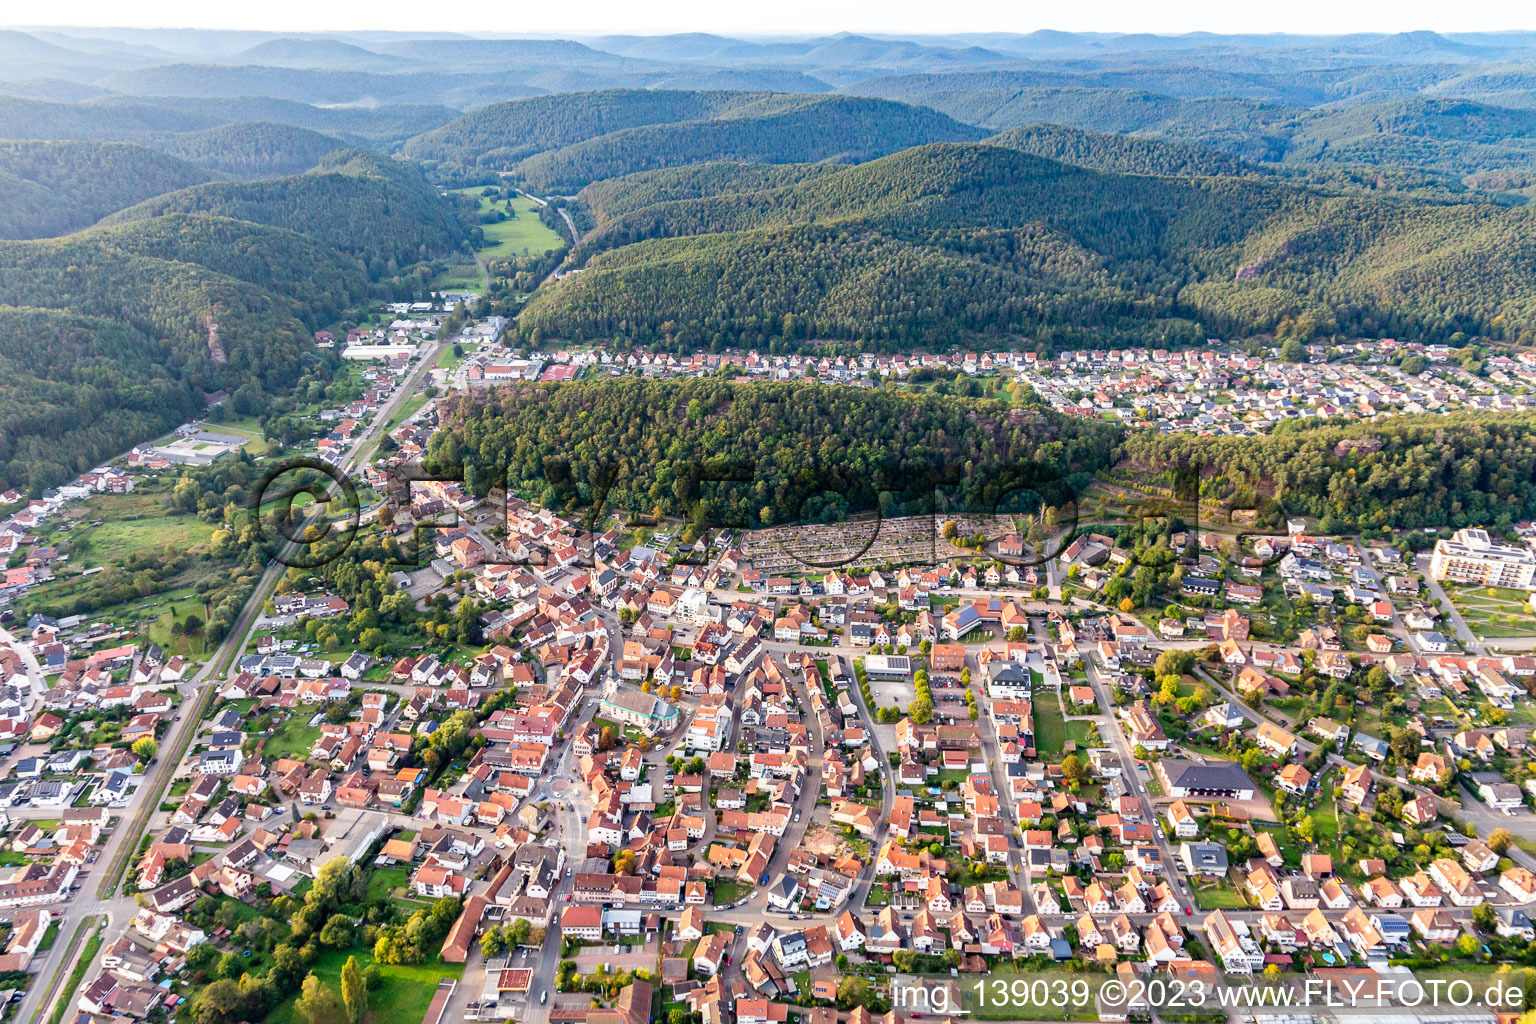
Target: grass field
(293, 738)
(160, 629)
(385, 881)
(1050, 728)
(135, 524)
(1217, 896)
(402, 998)
(512, 236)
(1493, 613)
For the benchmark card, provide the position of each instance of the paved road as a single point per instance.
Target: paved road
(116, 857)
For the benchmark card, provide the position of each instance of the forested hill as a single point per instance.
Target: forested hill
(147, 120)
(502, 134)
(381, 210)
(52, 188)
(251, 149)
(75, 389)
(563, 142)
(778, 129)
(1124, 154)
(1466, 469)
(816, 452)
(946, 242)
(809, 451)
(140, 320)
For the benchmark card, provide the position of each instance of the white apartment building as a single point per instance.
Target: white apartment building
(1470, 556)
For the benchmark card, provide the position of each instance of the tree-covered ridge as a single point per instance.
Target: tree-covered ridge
(614, 197)
(564, 142)
(381, 210)
(1122, 154)
(52, 188)
(140, 320)
(1302, 126)
(938, 243)
(150, 120)
(320, 283)
(1455, 136)
(251, 149)
(814, 451)
(1429, 471)
(775, 129)
(502, 134)
(75, 388)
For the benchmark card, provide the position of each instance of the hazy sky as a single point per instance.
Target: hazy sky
(590, 17)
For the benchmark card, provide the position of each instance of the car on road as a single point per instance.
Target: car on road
(544, 998)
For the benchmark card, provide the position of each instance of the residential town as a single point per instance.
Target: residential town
(663, 776)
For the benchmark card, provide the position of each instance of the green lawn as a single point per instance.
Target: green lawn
(384, 881)
(1050, 727)
(727, 891)
(1325, 819)
(293, 738)
(407, 408)
(402, 998)
(518, 233)
(1217, 896)
(160, 629)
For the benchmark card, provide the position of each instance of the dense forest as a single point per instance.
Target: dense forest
(1459, 470)
(777, 453)
(1122, 154)
(151, 119)
(380, 210)
(52, 188)
(794, 451)
(251, 149)
(779, 130)
(502, 134)
(142, 320)
(940, 243)
(1459, 136)
(76, 388)
(562, 142)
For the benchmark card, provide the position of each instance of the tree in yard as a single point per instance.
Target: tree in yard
(853, 990)
(231, 966)
(202, 957)
(1306, 829)
(1469, 945)
(1484, 917)
(354, 991)
(318, 1004)
(1072, 768)
(337, 933)
(518, 932)
(219, 1003)
(1499, 841)
(677, 1015)
(492, 941)
(144, 748)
